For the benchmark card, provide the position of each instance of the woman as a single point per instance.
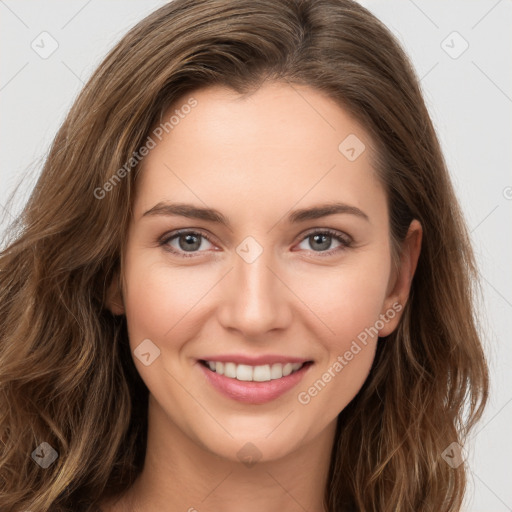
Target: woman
(172, 336)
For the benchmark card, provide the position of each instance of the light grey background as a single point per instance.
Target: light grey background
(469, 97)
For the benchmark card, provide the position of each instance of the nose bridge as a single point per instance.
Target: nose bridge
(256, 301)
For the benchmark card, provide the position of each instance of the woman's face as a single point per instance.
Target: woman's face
(270, 284)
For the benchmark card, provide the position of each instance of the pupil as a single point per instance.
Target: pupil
(325, 244)
(193, 243)
(189, 245)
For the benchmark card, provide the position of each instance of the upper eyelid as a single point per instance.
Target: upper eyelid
(185, 231)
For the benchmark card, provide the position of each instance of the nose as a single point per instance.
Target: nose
(255, 298)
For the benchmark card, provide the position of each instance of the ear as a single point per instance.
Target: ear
(400, 280)
(114, 299)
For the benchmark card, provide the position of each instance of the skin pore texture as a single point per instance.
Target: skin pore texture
(256, 160)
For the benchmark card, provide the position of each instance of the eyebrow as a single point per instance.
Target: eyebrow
(210, 214)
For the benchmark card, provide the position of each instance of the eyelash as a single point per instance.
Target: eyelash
(346, 242)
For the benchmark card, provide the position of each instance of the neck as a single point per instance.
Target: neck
(181, 475)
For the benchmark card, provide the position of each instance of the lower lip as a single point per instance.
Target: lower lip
(253, 392)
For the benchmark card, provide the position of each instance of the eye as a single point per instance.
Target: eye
(322, 239)
(187, 242)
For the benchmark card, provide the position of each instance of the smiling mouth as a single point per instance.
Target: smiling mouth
(248, 373)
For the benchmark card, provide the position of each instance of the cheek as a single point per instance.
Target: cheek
(348, 304)
(350, 353)
(347, 300)
(158, 299)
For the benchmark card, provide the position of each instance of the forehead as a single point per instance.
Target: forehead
(282, 145)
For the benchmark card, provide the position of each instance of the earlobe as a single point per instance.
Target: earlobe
(114, 298)
(399, 294)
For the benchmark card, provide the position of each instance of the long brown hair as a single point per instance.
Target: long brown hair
(66, 373)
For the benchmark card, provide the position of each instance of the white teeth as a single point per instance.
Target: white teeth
(276, 372)
(261, 373)
(230, 370)
(245, 372)
(287, 369)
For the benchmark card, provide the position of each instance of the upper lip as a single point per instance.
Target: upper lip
(254, 360)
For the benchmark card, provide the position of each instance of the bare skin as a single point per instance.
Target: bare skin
(256, 160)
